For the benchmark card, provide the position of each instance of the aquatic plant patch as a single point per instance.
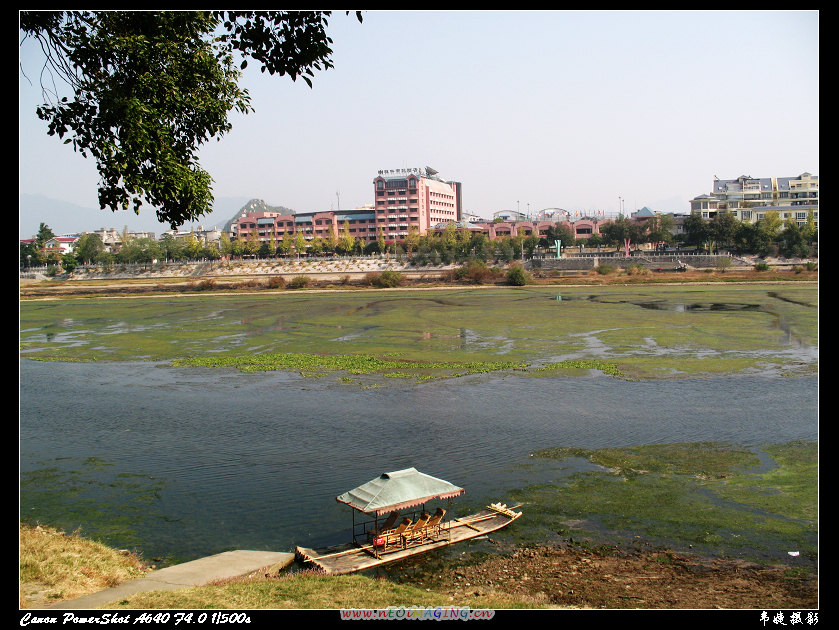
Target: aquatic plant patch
(88, 494)
(353, 364)
(715, 498)
(576, 366)
(640, 331)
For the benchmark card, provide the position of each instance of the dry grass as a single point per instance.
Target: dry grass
(311, 590)
(55, 566)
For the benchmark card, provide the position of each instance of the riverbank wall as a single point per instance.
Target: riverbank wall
(650, 261)
(325, 269)
(355, 268)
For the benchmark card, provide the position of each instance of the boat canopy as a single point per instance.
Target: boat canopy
(398, 490)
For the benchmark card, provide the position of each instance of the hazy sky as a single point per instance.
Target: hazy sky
(527, 109)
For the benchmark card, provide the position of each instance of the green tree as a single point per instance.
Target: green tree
(380, 239)
(660, 229)
(557, 232)
(211, 251)
(504, 250)
(594, 240)
(723, 228)
(811, 232)
(449, 235)
(52, 258)
(88, 248)
(723, 263)
(346, 242)
(30, 255)
(285, 244)
(749, 239)
(149, 88)
(68, 262)
(225, 246)
(479, 246)
(317, 246)
(331, 240)
(623, 232)
(771, 224)
(138, 250)
(412, 240)
(530, 243)
(251, 244)
(44, 234)
(168, 247)
(517, 276)
(194, 248)
(696, 229)
(299, 243)
(793, 240)
(237, 246)
(764, 234)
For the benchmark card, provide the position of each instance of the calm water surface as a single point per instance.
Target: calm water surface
(182, 463)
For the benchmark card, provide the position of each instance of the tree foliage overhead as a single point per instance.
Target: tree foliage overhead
(151, 87)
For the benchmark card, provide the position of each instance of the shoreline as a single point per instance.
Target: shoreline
(565, 576)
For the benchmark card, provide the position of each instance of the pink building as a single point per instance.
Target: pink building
(414, 197)
(581, 228)
(360, 222)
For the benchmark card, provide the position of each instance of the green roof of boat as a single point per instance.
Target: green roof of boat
(398, 490)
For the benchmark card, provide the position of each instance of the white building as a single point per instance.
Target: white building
(749, 198)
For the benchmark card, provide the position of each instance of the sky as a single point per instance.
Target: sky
(580, 110)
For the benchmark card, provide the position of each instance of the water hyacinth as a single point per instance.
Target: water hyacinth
(356, 364)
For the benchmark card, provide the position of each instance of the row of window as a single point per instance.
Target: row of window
(812, 194)
(746, 215)
(392, 202)
(390, 193)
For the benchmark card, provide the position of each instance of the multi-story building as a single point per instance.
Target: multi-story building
(414, 197)
(360, 223)
(750, 198)
(204, 236)
(61, 244)
(403, 199)
(112, 238)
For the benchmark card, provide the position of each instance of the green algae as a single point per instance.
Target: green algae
(717, 498)
(74, 493)
(638, 332)
(314, 364)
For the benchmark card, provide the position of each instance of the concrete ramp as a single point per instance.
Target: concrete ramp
(195, 573)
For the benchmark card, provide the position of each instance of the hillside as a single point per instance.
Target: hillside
(255, 205)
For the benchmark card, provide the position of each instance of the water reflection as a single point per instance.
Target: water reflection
(686, 308)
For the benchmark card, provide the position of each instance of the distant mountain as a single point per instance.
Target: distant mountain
(255, 205)
(63, 217)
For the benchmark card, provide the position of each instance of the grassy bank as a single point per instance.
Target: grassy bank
(55, 566)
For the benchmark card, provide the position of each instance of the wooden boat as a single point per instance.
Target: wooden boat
(373, 545)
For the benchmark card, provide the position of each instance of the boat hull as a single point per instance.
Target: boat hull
(352, 557)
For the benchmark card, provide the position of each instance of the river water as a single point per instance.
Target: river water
(182, 463)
